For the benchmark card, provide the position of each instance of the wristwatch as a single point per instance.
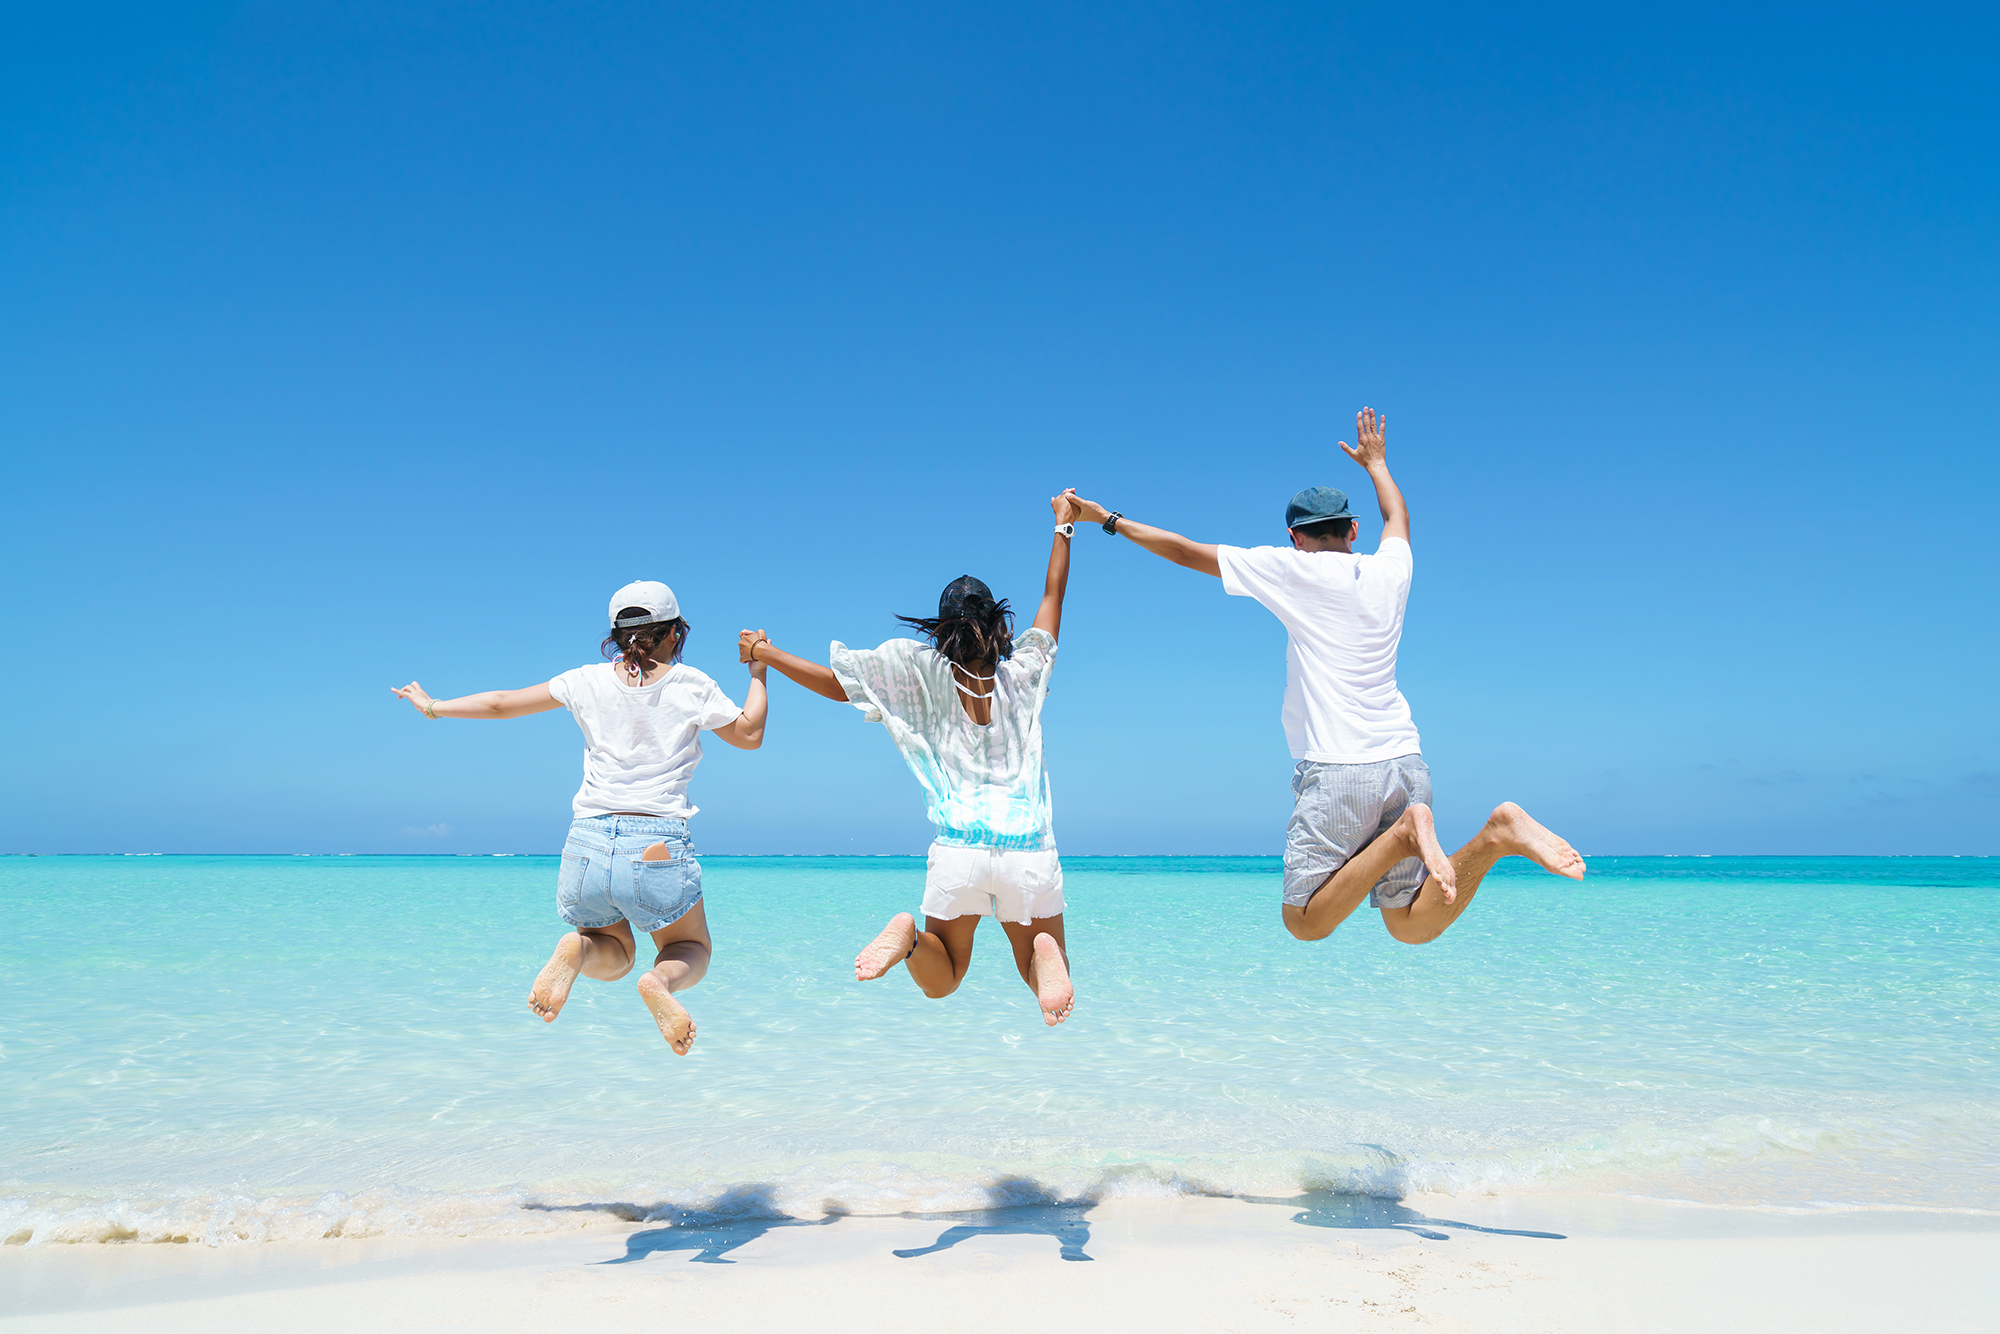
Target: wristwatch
(1111, 523)
(1066, 529)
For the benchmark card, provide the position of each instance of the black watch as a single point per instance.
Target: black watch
(1111, 523)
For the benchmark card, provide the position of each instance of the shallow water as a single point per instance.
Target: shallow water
(223, 1048)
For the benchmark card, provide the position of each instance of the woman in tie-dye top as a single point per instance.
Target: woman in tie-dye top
(964, 706)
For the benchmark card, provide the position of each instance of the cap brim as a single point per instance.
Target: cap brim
(1316, 518)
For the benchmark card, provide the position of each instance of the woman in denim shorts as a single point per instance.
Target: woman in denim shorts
(628, 862)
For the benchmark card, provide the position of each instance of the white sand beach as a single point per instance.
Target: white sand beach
(1191, 1264)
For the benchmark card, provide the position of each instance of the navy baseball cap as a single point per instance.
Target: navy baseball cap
(963, 596)
(1316, 503)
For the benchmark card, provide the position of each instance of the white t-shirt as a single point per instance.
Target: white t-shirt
(640, 743)
(1345, 615)
(984, 787)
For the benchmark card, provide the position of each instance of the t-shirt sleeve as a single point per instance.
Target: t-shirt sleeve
(1263, 573)
(1394, 558)
(881, 682)
(714, 707)
(563, 687)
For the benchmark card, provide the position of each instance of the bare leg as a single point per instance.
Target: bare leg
(1413, 835)
(1509, 832)
(943, 953)
(937, 956)
(1040, 955)
(684, 950)
(604, 953)
(888, 949)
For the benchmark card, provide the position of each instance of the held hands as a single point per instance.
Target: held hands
(1369, 430)
(418, 697)
(746, 644)
(1064, 506)
(1082, 511)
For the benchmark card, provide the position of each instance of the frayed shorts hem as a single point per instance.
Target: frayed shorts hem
(1011, 884)
(640, 924)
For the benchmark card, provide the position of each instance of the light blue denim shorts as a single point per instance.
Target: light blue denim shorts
(603, 882)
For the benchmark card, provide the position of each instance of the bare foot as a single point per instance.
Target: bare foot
(1422, 830)
(1521, 835)
(551, 987)
(888, 949)
(676, 1024)
(1052, 986)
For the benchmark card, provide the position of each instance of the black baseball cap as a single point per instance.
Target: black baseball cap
(963, 596)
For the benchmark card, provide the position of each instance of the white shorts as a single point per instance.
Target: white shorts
(992, 882)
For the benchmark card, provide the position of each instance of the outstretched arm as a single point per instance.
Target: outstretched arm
(754, 646)
(746, 730)
(1194, 555)
(1373, 455)
(1049, 615)
(486, 704)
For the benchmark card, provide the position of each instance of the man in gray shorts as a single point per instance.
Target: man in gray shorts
(1361, 820)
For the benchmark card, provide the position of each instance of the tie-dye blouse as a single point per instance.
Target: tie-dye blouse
(984, 787)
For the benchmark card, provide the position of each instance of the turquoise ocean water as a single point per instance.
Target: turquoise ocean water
(239, 1048)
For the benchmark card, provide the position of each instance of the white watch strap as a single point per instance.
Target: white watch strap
(1066, 529)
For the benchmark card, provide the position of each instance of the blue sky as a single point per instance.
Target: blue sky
(341, 345)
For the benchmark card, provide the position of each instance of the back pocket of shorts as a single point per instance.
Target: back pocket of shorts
(569, 880)
(668, 889)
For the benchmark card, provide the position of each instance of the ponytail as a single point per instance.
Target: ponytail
(635, 646)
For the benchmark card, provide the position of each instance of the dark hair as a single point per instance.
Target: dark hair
(985, 634)
(1327, 528)
(635, 645)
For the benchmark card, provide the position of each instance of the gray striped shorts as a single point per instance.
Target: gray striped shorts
(1340, 809)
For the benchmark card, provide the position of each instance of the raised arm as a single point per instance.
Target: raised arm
(1172, 546)
(754, 646)
(746, 730)
(1048, 616)
(1373, 455)
(486, 704)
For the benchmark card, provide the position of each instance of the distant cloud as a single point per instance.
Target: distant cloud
(428, 831)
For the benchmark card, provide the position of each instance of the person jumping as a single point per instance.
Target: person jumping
(964, 706)
(628, 861)
(1361, 825)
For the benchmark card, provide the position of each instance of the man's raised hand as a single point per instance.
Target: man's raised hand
(1369, 430)
(748, 640)
(1065, 506)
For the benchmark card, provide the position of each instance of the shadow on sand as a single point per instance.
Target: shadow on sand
(1062, 1219)
(731, 1220)
(1019, 1206)
(1370, 1213)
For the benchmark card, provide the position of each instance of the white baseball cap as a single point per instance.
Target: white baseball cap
(654, 596)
